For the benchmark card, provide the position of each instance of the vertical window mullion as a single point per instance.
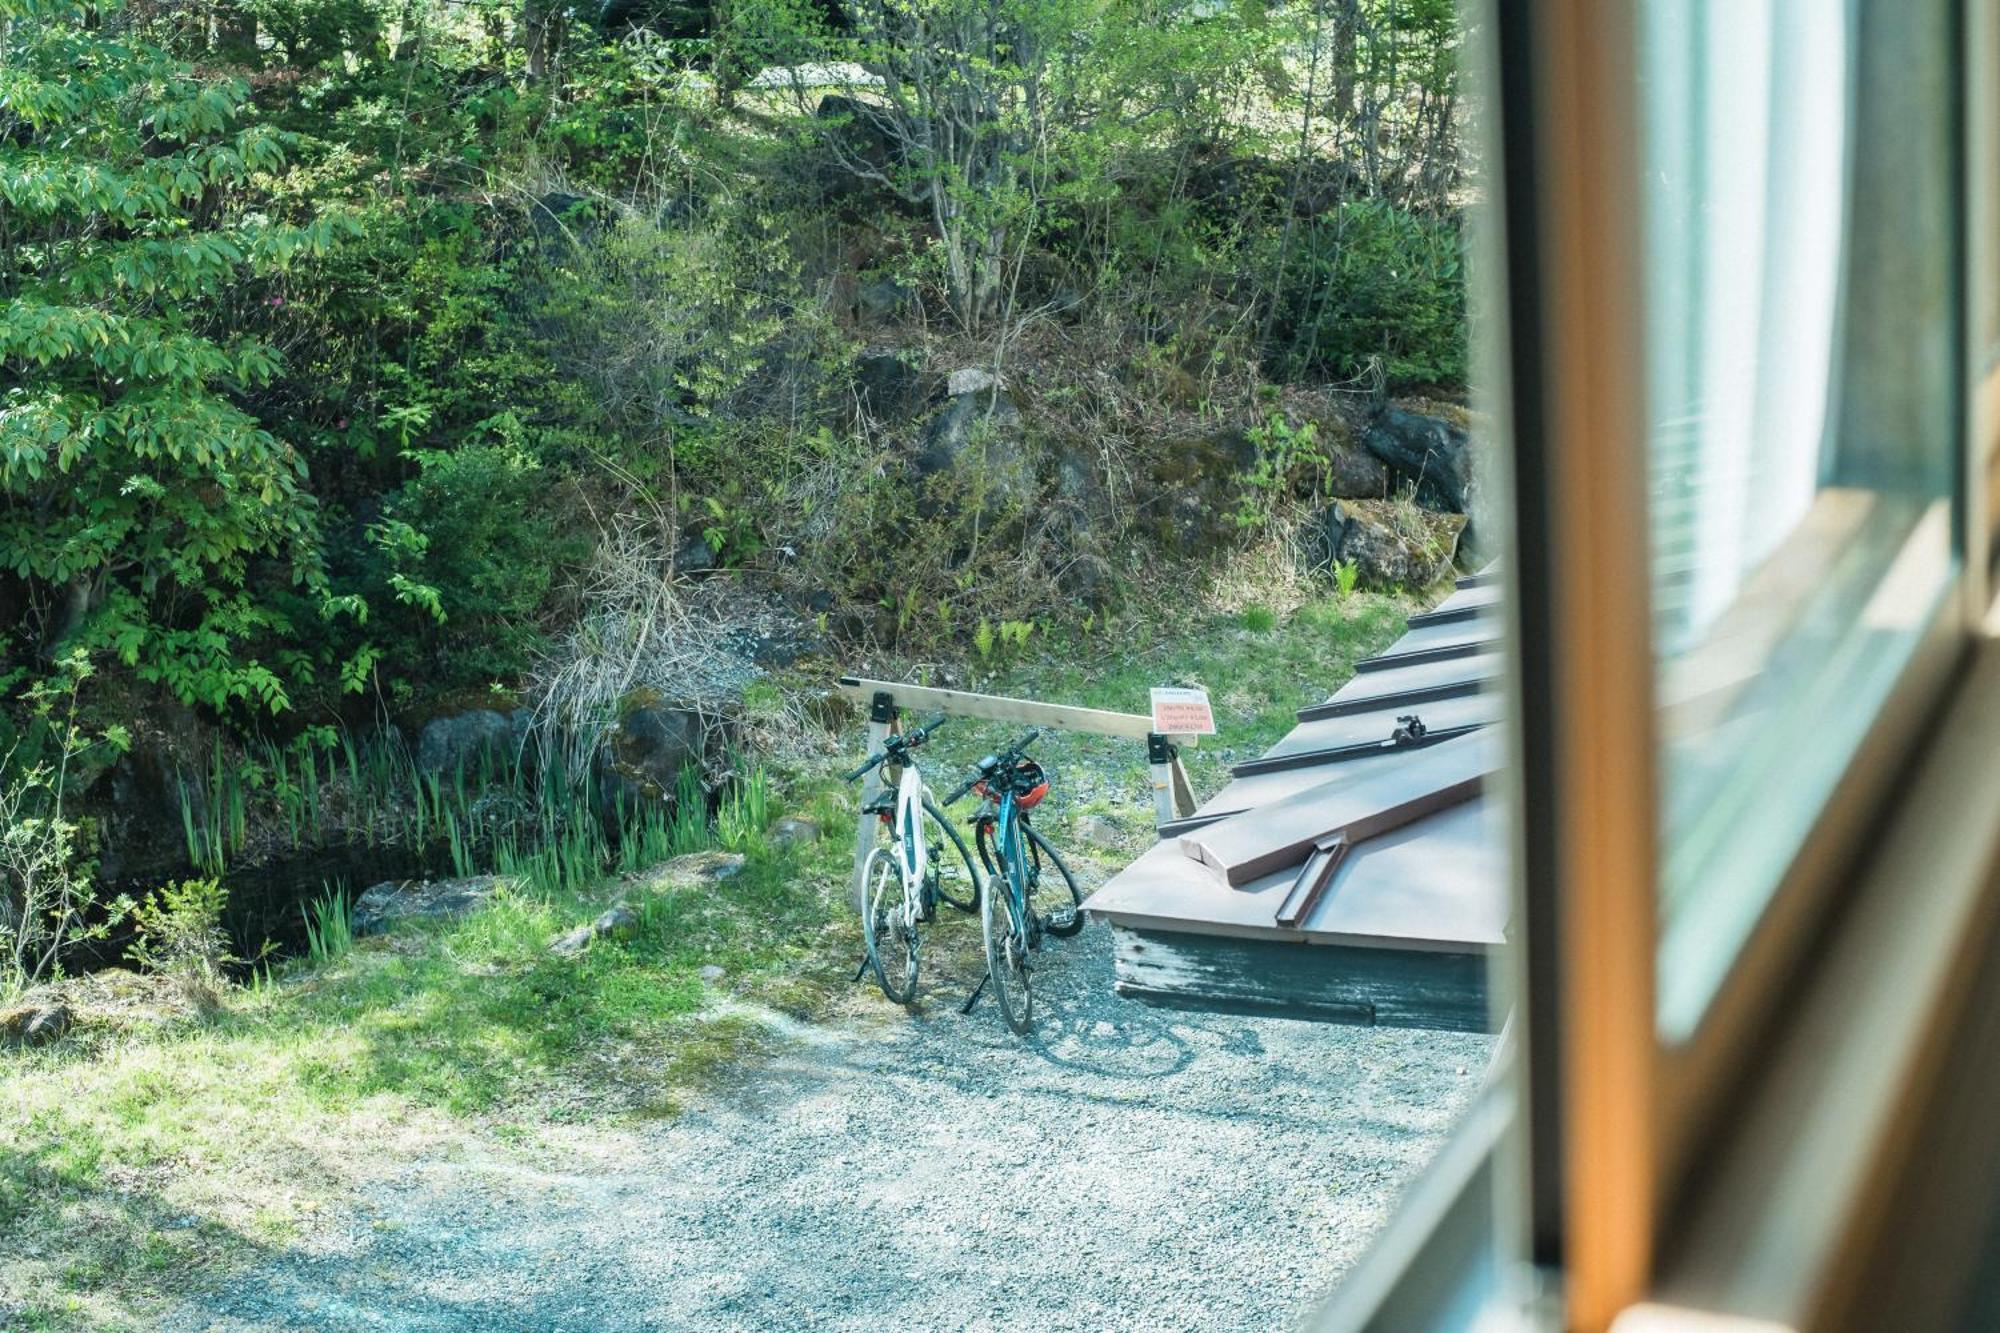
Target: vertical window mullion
(1583, 689)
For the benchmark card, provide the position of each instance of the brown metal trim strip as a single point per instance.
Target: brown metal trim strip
(1333, 754)
(1418, 656)
(1314, 876)
(1453, 615)
(1173, 828)
(1370, 703)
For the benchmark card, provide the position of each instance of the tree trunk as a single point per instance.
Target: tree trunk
(541, 34)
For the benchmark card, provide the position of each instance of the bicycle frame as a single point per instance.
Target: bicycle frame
(1011, 848)
(909, 815)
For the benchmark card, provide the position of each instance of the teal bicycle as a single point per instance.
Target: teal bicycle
(1029, 896)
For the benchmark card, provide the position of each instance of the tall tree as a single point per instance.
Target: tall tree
(135, 489)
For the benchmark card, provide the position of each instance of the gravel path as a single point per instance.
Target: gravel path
(1125, 1168)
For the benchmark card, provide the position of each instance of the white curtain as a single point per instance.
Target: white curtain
(1745, 106)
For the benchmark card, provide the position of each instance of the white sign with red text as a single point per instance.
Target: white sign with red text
(1182, 712)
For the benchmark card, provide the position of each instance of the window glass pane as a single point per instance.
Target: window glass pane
(1799, 235)
(1984, 133)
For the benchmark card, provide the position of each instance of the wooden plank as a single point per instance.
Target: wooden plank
(1183, 789)
(865, 824)
(1440, 883)
(1000, 708)
(1262, 789)
(1323, 982)
(1270, 838)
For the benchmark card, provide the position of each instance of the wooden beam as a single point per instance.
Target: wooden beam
(1274, 837)
(1000, 708)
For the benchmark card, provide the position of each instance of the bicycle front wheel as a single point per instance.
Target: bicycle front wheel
(1052, 892)
(1005, 926)
(886, 927)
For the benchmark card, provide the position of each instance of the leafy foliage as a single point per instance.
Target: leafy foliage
(47, 905)
(337, 336)
(137, 490)
(1378, 290)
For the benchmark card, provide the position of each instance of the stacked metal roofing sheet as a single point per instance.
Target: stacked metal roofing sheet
(1353, 872)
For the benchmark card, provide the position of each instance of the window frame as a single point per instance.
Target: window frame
(1587, 1079)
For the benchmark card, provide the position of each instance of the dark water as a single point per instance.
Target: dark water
(268, 902)
(265, 915)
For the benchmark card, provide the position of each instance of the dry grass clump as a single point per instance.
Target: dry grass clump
(1269, 573)
(639, 630)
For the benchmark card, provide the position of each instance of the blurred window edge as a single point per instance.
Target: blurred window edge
(1805, 1129)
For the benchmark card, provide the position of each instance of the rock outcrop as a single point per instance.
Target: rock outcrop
(1428, 445)
(392, 901)
(1393, 544)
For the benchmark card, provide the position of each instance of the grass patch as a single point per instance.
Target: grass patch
(1257, 669)
(135, 1151)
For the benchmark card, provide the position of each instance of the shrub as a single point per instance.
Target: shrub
(1371, 286)
(490, 547)
(47, 903)
(178, 934)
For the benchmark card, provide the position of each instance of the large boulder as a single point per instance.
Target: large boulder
(1428, 444)
(383, 905)
(1353, 472)
(1188, 497)
(892, 390)
(461, 741)
(646, 752)
(419, 899)
(34, 1020)
(1393, 544)
(977, 441)
(883, 299)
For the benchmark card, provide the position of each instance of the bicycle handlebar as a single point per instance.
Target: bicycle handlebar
(897, 747)
(993, 763)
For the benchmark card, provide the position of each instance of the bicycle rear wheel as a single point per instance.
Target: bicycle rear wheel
(1052, 897)
(955, 879)
(1006, 933)
(886, 928)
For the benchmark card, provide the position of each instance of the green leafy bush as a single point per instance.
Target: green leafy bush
(135, 490)
(1375, 286)
(177, 932)
(484, 550)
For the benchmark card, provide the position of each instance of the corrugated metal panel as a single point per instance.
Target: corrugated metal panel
(1352, 872)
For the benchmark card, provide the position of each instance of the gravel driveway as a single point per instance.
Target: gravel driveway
(1125, 1168)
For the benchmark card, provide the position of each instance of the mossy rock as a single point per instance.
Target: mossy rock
(1392, 543)
(35, 1021)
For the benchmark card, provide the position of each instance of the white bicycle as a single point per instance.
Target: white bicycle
(903, 880)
